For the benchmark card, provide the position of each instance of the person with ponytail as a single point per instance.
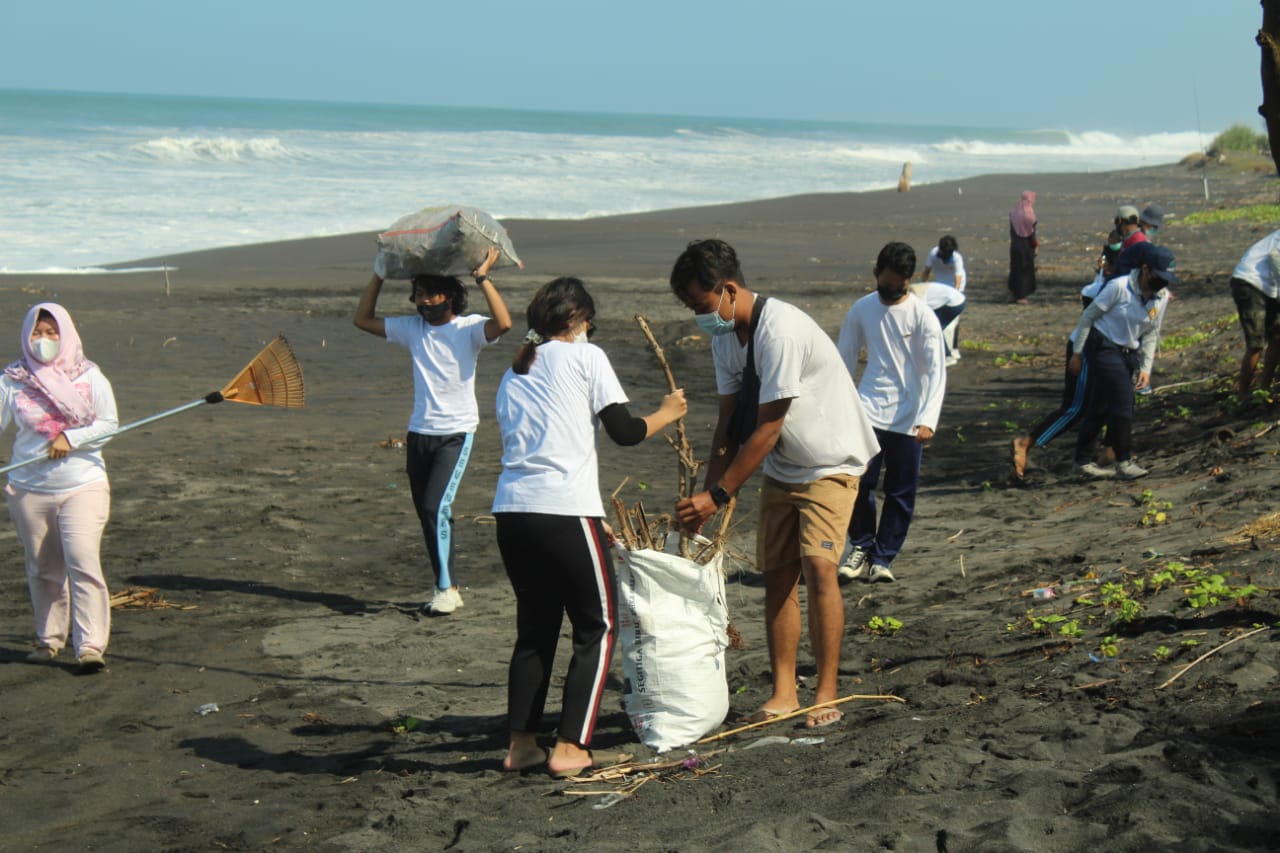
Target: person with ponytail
(550, 518)
(63, 408)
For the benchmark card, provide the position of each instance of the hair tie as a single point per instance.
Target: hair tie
(532, 337)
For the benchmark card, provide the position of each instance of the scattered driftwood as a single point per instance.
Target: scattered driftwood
(625, 778)
(884, 697)
(1213, 651)
(145, 597)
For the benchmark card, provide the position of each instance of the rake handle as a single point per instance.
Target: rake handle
(213, 397)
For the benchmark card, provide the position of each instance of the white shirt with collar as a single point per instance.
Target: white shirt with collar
(1120, 315)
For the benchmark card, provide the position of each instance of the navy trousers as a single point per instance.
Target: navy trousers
(1110, 398)
(899, 456)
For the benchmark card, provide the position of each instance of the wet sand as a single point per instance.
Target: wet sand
(291, 537)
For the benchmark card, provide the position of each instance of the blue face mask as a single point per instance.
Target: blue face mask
(712, 323)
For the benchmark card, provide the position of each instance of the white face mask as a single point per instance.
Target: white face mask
(580, 337)
(45, 349)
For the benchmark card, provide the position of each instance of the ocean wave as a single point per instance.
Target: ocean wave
(222, 149)
(1171, 146)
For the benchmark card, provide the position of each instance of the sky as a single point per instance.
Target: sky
(1176, 65)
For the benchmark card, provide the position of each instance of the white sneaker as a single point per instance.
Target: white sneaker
(881, 574)
(44, 654)
(443, 602)
(952, 360)
(1093, 469)
(855, 565)
(1130, 470)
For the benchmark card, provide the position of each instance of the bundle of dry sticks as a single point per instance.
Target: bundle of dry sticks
(633, 527)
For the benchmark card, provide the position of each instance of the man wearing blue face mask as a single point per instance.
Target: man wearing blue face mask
(787, 403)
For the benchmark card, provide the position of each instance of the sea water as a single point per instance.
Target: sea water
(90, 179)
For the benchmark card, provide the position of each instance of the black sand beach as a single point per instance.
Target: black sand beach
(347, 721)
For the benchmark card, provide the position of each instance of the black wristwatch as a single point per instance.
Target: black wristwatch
(481, 279)
(719, 495)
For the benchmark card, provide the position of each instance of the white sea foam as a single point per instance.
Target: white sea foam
(185, 149)
(77, 196)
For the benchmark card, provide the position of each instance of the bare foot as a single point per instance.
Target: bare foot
(525, 760)
(1021, 445)
(822, 717)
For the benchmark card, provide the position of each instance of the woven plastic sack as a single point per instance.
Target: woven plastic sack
(444, 241)
(673, 624)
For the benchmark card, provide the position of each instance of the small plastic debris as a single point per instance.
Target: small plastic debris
(1150, 554)
(807, 741)
(207, 709)
(609, 801)
(771, 740)
(1043, 592)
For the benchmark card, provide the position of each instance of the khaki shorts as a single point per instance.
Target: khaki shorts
(1259, 314)
(804, 520)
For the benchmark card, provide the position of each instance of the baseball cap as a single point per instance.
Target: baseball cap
(1153, 215)
(1158, 259)
(1127, 213)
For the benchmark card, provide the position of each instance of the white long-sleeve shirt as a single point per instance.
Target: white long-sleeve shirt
(905, 378)
(84, 465)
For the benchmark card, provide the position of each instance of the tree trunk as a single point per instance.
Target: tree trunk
(1269, 40)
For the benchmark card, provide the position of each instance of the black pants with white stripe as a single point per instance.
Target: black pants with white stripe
(558, 565)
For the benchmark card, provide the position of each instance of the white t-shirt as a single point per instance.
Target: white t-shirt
(825, 432)
(947, 272)
(937, 295)
(84, 465)
(444, 371)
(905, 378)
(548, 422)
(1256, 265)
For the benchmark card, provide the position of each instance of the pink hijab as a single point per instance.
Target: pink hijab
(1023, 215)
(56, 379)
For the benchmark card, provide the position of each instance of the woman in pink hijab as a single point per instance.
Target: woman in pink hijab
(1022, 249)
(63, 409)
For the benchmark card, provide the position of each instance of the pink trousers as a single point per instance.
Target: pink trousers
(61, 535)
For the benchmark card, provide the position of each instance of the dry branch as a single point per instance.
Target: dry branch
(1213, 651)
(885, 697)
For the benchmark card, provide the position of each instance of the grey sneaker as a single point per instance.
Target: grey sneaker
(443, 602)
(1093, 469)
(1130, 470)
(91, 662)
(44, 654)
(855, 565)
(881, 574)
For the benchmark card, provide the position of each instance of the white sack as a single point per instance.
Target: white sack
(673, 624)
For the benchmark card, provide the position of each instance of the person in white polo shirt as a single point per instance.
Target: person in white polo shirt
(1118, 334)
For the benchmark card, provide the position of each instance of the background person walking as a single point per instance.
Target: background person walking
(1023, 245)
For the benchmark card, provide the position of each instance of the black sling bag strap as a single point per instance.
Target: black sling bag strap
(742, 421)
